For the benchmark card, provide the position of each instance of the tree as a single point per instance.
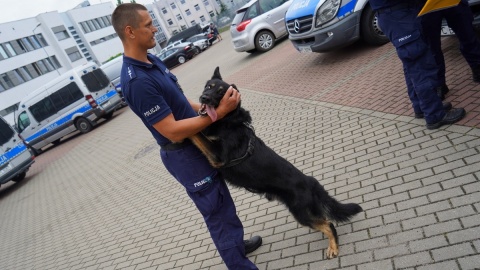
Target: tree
(119, 2)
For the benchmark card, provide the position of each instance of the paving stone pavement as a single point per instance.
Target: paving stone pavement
(103, 200)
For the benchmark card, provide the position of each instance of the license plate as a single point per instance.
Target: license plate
(447, 31)
(6, 169)
(106, 104)
(304, 49)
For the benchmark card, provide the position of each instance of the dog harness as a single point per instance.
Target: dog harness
(250, 148)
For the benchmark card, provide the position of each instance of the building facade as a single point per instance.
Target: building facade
(34, 51)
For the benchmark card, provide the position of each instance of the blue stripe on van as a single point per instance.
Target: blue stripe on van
(12, 153)
(347, 8)
(82, 110)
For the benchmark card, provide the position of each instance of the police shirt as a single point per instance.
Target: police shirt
(378, 4)
(152, 92)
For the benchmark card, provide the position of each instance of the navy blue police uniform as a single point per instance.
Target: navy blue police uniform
(398, 20)
(152, 92)
(460, 19)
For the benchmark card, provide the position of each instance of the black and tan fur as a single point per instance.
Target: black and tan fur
(265, 172)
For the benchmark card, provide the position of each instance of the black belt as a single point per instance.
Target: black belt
(396, 7)
(176, 146)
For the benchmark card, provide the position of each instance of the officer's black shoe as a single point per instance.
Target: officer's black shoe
(476, 74)
(446, 106)
(451, 117)
(252, 244)
(442, 91)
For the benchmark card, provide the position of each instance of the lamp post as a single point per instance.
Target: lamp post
(41, 45)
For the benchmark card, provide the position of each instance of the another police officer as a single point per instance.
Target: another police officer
(153, 94)
(398, 20)
(460, 19)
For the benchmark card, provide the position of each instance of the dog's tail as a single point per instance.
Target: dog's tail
(342, 212)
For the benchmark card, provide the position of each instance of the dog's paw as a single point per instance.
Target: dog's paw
(332, 253)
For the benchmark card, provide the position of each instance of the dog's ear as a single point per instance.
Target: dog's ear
(234, 87)
(216, 74)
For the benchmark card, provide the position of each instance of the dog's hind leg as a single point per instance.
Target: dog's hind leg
(329, 230)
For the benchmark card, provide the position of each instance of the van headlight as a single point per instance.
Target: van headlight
(327, 12)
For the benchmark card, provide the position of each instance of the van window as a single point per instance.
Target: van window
(42, 109)
(95, 80)
(23, 121)
(66, 96)
(6, 132)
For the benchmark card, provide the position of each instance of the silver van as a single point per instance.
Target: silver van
(74, 101)
(15, 158)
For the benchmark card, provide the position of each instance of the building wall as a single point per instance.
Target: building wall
(66, 45)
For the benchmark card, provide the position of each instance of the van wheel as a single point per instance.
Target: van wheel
(19, 177)
(264, 41)
(35, 152)
(56, 142)
(83, 125)
(370, 30)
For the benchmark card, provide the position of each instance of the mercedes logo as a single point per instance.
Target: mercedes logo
(296, 26)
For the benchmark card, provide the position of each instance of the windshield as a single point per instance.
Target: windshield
(6, 132)
(95, 80)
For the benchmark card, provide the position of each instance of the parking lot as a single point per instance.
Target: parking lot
(103, 200)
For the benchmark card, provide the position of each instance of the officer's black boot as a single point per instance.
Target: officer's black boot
(476, 74)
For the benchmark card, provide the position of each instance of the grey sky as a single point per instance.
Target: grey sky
(20, 9)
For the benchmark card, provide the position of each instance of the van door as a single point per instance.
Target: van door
(43, 111)
(274, 13)
(102, 90)
(15, 159)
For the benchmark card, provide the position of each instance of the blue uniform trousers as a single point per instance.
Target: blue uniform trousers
(401, 25)
(460, 19)
(211, 196)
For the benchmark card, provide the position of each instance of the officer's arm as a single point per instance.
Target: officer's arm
(177, 131)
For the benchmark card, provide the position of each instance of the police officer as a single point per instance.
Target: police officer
(398, 20)
(154, 95)
(460, 19)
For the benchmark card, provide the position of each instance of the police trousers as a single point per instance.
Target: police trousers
(210, 194)
(403, 28)
(460, 19)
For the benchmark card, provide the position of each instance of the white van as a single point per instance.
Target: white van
(74, 101)
(15, 158)
(112, 69)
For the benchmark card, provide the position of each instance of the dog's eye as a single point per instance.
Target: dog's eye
(208, 87)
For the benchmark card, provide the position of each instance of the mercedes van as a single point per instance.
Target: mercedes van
(74, 101)
(15, 158)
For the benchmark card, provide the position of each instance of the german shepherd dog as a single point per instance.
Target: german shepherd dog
(243, 159)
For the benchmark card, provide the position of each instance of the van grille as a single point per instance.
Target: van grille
(305, 24)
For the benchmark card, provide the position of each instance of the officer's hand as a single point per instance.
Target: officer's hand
(229, 102)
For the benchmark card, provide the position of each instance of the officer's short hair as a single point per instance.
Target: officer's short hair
(125, 15)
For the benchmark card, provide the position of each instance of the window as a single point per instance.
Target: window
(197, 8)
(27, 44)
(170, 22)
(18, 76)
(188, 12)
(100, 22)
(95, 80)
(179, 17)
(182, 2)
(62, 35)
(205, 2)
(173, 6)
(211, 14)
(164, 10)
(23, 121)
(74, 56)
(267, 5)
(183, 27)
(25, 73)
(202, 18)
(66, 96)
(35, 42)
(10, 49)
(193, 22)
(42, 109)
(3, 53)
(6, 80)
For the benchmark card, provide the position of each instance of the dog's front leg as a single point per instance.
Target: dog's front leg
(205, 147)
(329, 230)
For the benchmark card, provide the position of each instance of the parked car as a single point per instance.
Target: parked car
(258, 24)
(177, 55)
(200, 41)
(15, 158)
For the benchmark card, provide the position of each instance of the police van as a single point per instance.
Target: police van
(15, 158)
(324, 25)
(74, 101)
